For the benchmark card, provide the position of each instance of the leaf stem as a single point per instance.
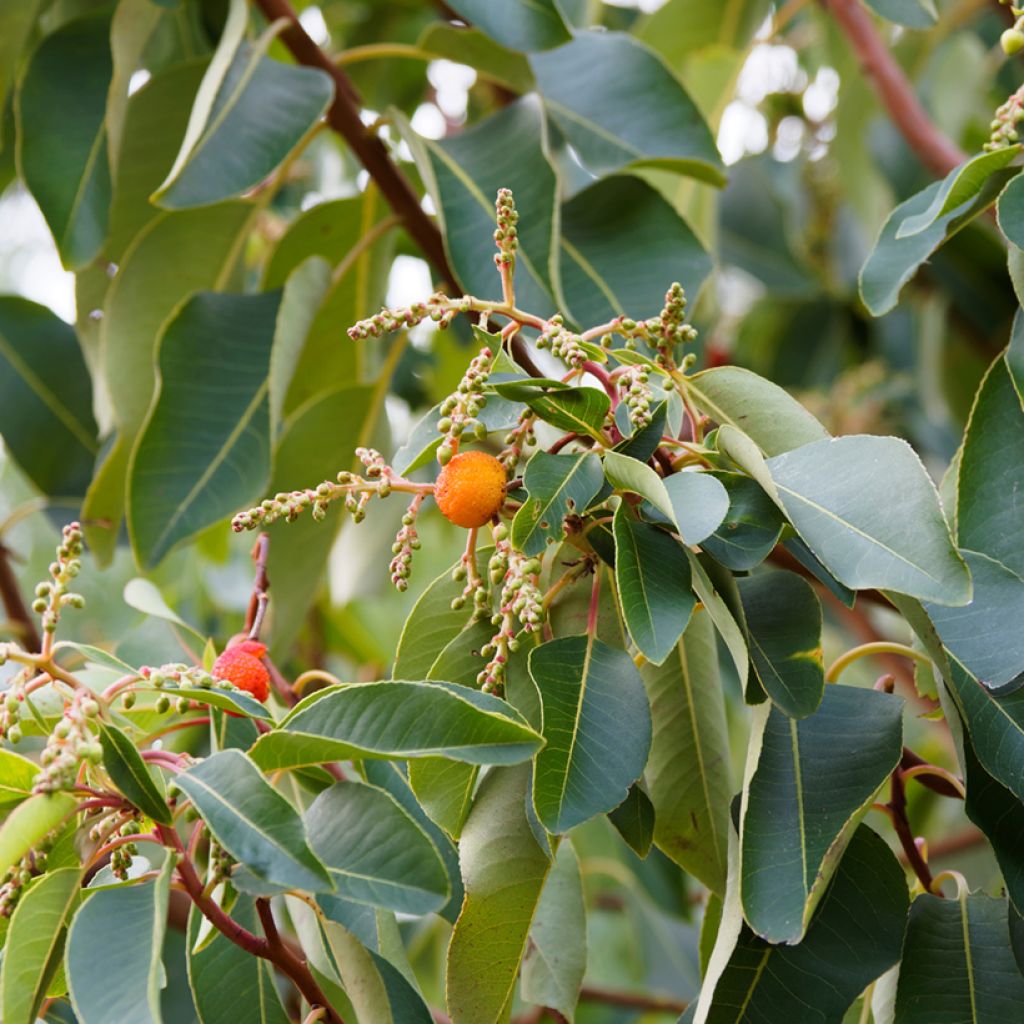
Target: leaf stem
(869, 649)
(595, 603)
(901, 825)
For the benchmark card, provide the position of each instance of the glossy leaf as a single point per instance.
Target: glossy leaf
(626, 474)
(503, 870)
(62, 140)
(398, 720)
(622, 246)
(750, 529)
(556, 956)
(131, 775)
(634, 820)
(116, 973)
(597, 728)
(582, 410)
(640, 116)
(470, 46)
(517, 24)
(17, 774)
(783, 618)
(1010, 210)
(700, 504)
(205, 450)
(957, 964)
(30, 822)
(854, 937)
(556, 485)
(45, 399)
(652, 576)
(687, 773)
(375, 853)
(253, 822)
(912, 13)
(726, 612)
(762, 410)
(444, 789)
(35, 943)
(16, 22)
(812, 781)
(839, 494)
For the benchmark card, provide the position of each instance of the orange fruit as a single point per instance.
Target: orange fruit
(241, 664)
(471, 489)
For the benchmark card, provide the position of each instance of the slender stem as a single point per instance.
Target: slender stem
(374, 51)
(314, 675)
(922, 771)
(631, 1000)
(901, 824)
(562, 442)
(261, 585)
(606, 382)
(869, 649)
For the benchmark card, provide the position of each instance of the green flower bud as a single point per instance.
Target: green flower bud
(1012, 41)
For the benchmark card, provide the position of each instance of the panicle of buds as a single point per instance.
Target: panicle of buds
(1006, 122)
(71, 743)
(460, 409)
(663, 332)
(13, 698)
(563, 343)
(475, 587)
(637, 394)
(220, 864)
(438, 308)
(53, 595)
(14, 880)
(506, 235)
(406, 542)
(517, 440)
(121, 856)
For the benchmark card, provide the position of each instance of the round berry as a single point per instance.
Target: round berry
(471, 489)
(242, 665)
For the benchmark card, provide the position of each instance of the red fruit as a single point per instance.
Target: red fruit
(241, 664)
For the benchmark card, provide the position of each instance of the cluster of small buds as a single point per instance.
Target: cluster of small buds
(13, 698)
(637, 394)
(521, 601)
(121, 856)
(1005, 125)
(438, 308)
(406, 542)
(563, 343)
(178, 676)
(517, 440)
(506, 235)
(53, 595)
(475, 588)
(460, 409)
(221, 863)
(71, 742)
(663, 332)
(1012, 40)
(14, 880)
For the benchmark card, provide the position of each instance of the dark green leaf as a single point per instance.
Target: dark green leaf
(783, 619)
(597, 727)
(491, 60)
(721, 598)
(957, 964)
(205, 449)
(16, 21)
(640, 116)
(1011, 210)
(62, 139)
(30, 822)
(45, 399)
(444, 789)
(751, 526)
(517, 24)
(912, 13)
(556, 485)
(652, 575)
(582, 410)
(806, 557)
(634, 820)
(131, 775)
(796, 820)
(253, 822)
(642, 444)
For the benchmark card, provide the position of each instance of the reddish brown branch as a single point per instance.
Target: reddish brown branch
(900, 822)
(935, 151)
(14, 603)
(260, 588)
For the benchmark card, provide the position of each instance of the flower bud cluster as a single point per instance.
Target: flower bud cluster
(53, 595)
(506, 235)
(663, 332)
(71, 743)
(563, 343)
(121, 856)
(406, 542)
(1006, 123)
(475, 587)
(517, 440)
(178, 676)
(438, 308)
(221, 863)
(14, 880)
(10, 708)
(460, 409)
(637, 394)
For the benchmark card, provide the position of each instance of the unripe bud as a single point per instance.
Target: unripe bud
(1012, 41)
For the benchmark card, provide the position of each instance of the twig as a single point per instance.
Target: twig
(257, 609)
(901, 824)
(935, 151)
(631, 1000)
(14, 604)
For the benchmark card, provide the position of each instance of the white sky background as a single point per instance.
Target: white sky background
(29, 265)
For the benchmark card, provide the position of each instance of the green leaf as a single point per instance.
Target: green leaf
(725, 610)
(957, 964)
(45, 399)
(374, 851)
(253, 822)
(503, 870)
(62, 140)
(144, 596)
(597, 727)
(622, 245)
(131, 775)
(1015, 354)
(894, 261)
(556, 485)
(680, 27)
(634, 820)
(652, 575)
(35, 943)
(796, 820)
(699, 502)
(626, 474)
(16, 22)
(491, 60)
(31, 822)
(205, 449)
(556, 956)
(762, 410)
(854, 938)
(444, 789)
(582, 410)
(687, 772)
(750, 529)
(992, 472)
(394, 720)
(1010, 210)
(229, 984)
(463, 174)
(115, 973)
(17, 774)
(518, 24)
(231, 144)
(783, 618)
(961, 185)
(912, 13)
(639, 117)
(840, 494)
